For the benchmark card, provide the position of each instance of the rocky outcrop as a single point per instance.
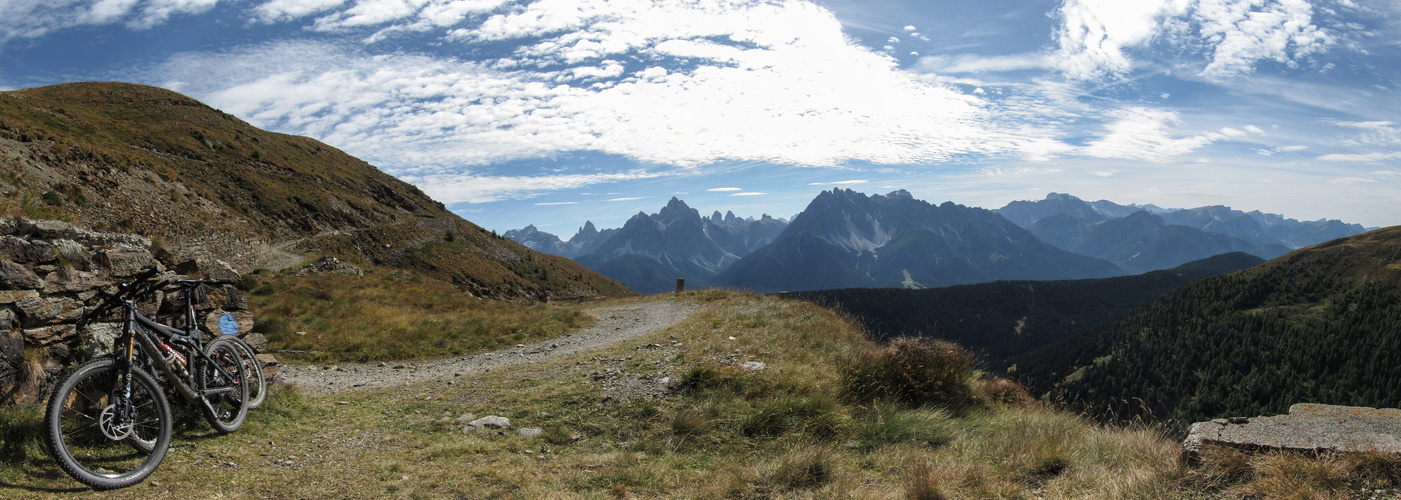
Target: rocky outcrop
(50, 275)
(1307, 427)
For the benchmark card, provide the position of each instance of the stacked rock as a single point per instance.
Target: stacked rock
(50, 276)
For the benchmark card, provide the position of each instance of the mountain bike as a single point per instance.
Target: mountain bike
(108, 422)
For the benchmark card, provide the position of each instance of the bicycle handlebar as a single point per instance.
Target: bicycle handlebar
(133, 289)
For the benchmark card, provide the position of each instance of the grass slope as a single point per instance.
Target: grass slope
(798, 428)
(203, 183)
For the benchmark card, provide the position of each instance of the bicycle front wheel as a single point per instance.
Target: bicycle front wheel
(91, 430)
(257, 385)
(227, 409)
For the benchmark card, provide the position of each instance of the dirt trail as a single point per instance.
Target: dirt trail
(615, 324)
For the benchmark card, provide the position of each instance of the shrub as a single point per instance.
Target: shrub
(913, 371)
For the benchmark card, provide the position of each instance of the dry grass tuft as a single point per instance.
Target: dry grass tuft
(912, 370)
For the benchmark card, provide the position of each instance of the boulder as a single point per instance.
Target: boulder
(488, 422)
(257, 341)
(12, 296)
(23, 251)
(217, 271)
(1308, 427)
(329, 265)
(36, 311)
(15, 276)
(243, 319)
(127, 262)
(50, 335)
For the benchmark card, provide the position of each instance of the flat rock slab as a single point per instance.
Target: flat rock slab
(1307, 427)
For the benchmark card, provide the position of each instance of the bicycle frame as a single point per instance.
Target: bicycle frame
(188, 379)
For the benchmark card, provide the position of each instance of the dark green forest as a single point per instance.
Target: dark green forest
(1319, 325)
(1004, 319)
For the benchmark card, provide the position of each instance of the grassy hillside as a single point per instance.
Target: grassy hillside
(1008, 318)
(808, 425)
(203, 183)
(1321, 325)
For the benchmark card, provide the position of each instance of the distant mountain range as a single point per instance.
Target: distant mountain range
(845, 239)
(651, 251)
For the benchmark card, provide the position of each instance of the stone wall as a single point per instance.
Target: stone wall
(50, 275)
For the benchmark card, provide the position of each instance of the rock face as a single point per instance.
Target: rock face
(50, 275)
(1307, 427)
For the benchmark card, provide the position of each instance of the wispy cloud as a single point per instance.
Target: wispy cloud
(629, 199)
(1361, 158)
(470, 188)
(36, 18)
(724, 189)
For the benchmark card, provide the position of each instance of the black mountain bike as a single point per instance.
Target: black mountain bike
(108, 421)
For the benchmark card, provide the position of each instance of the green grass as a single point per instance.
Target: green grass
(391, 315)
(791, 430)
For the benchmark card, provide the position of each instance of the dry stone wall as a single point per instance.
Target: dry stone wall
(50, 275)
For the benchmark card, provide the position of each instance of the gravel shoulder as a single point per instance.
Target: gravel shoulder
(614, 325)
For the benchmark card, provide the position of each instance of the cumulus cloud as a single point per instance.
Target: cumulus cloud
(1096, 37)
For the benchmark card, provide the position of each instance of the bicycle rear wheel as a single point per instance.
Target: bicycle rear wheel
(257, 385)
(228, 409)
(91, 438)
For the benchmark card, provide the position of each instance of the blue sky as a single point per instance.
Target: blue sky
(554, 112)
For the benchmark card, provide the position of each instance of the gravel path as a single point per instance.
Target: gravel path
(615, 324)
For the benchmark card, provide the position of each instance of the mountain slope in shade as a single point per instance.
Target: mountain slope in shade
(207, 185)
(1321, 324)
(1007, 318)
(846, 239)
(1142, 242)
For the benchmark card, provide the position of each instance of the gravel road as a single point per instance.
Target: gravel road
(615, 324)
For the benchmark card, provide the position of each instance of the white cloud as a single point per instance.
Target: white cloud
(1361, 158)
(1096, 37)
(792, 89)
(634, 198)
(470, 188)
(1094, 34)
(1351, 180)
(724, 189)
(1145, 134)
(286, 10)
(36, 18)
(979, 64)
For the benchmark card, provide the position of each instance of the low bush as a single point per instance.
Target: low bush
(912, 371)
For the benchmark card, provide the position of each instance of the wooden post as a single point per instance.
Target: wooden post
(680, 285)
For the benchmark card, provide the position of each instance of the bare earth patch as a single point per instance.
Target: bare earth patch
(615, 324)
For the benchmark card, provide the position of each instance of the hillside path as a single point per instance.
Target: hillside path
(614, 325)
